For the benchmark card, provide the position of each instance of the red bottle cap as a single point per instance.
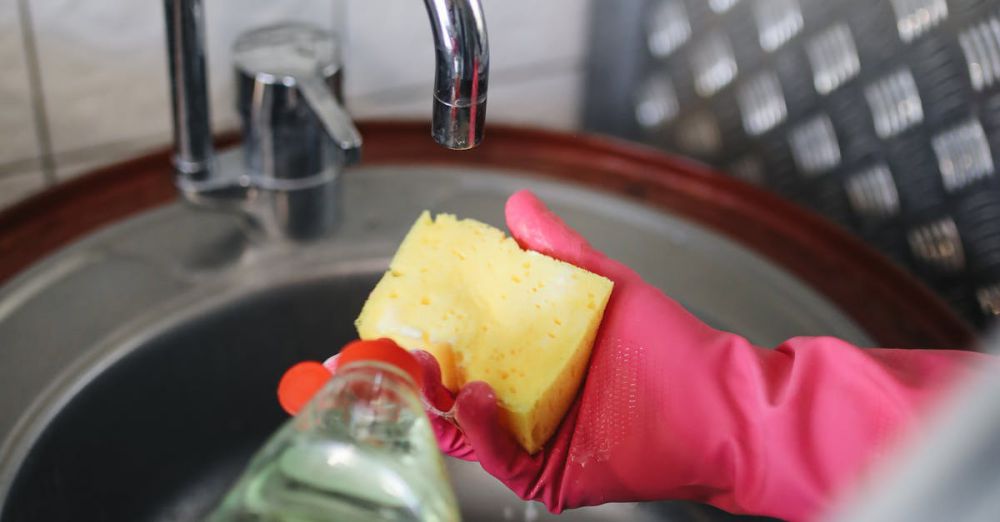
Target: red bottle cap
(302, 381)
(382, 350)
(299, 383)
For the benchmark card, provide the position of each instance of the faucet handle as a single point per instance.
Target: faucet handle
(328, 109)
(296, 131)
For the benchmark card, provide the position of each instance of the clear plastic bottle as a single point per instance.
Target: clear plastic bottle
(361, 450)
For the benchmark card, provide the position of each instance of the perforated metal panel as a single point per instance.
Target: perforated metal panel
(883, 115)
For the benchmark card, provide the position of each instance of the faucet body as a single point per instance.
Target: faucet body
(297, 135)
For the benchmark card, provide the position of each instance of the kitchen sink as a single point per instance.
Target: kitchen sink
(138, 366)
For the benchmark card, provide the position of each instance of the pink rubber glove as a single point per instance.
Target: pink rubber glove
(673, 409)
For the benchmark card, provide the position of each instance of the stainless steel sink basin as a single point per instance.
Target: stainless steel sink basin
(138, 367)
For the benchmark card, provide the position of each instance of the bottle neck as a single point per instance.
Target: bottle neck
(382, 370)
(373, 401)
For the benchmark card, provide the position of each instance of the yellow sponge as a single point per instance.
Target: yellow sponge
(490, 311)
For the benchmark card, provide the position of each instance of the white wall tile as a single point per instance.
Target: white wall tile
(551, 101)
(75, 163)
(103, 65)
(411, 105)
(390, 46)
(103, 69)
(543, 101)
(17, 128)
(525, 32)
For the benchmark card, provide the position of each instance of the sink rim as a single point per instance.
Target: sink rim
(893, 306)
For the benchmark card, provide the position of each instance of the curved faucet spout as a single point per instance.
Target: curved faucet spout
(461, 73)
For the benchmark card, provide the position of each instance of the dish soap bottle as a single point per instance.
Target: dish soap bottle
(362, 449)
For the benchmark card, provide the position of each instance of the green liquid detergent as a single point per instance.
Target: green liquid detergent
(362, 450)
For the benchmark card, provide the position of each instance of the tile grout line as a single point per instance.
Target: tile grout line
(37, 94)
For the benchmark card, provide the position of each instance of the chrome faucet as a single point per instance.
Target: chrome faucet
(462, 65)
(297, 137)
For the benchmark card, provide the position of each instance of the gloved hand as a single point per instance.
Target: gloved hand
(673, 409)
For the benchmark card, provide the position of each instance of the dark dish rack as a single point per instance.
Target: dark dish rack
(883, 115)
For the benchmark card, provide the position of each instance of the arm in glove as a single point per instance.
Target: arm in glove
(673, 409)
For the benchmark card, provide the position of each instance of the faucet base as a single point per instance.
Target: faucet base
(298, 210)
